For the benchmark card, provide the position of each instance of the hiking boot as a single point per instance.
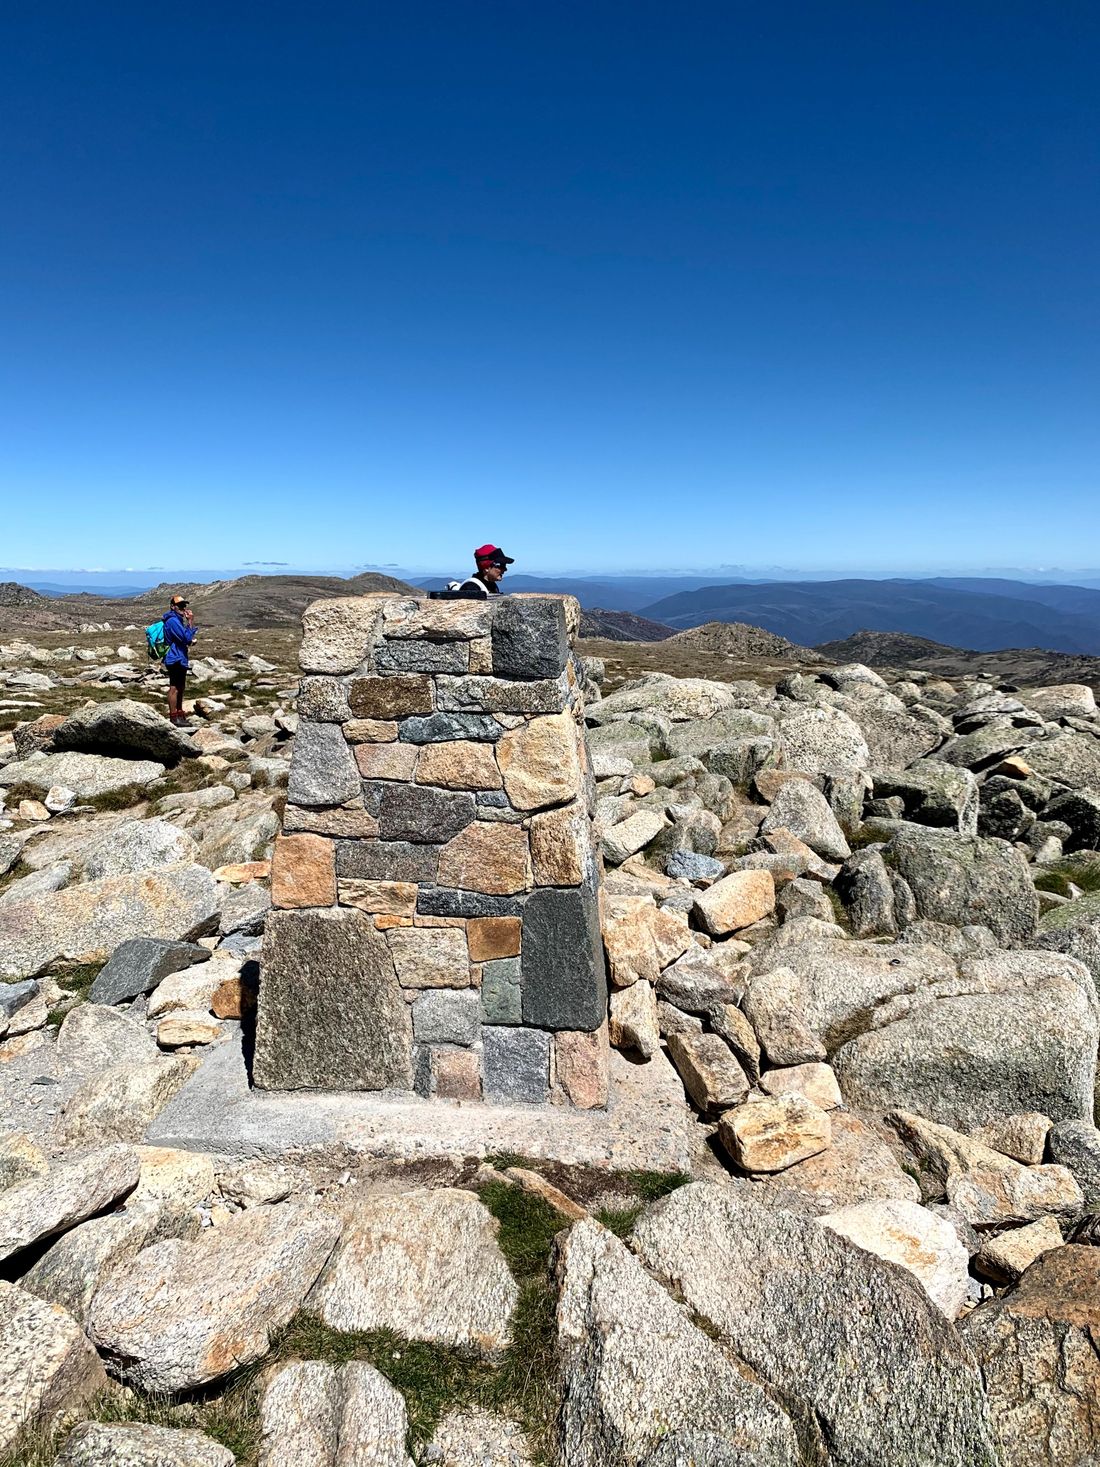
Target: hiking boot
(181, 721)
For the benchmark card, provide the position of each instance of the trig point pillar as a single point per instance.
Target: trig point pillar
(436, 883)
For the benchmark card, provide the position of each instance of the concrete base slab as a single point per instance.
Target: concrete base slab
(647, 1125)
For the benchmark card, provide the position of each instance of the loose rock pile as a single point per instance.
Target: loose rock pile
(860, 918)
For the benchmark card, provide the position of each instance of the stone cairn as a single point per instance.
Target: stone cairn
(436, 925)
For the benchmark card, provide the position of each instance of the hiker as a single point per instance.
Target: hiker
(491, 564)
(179, 633)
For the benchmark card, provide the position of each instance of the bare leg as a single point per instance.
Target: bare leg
(175, 702)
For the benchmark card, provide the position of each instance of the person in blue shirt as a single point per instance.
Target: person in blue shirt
(179, 633)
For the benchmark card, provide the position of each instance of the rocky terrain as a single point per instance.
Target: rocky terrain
(857, 915)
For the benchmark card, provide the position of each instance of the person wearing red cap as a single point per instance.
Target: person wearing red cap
(491, 564)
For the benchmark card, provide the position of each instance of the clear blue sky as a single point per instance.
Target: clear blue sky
(610, 284)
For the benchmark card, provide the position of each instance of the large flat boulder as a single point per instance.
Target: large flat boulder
(638, 1377)
(47, 1365)
(87, 775)
(70, 1192)
(962, 880)
(87, 922)
(125, 729)
(859, 1356)
(184, 1314)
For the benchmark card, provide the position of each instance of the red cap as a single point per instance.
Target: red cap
(491, 553)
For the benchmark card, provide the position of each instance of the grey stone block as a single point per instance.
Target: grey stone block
(501, 695)
(443, 657)
(445, 728)
(322, 770)
(515, 1064)
(422, 1070)
(501, 1000)
(445, 901)
(331, 1015)
(423, 814)
(15, 996)
(564, 981)
(323, 700)
(447, 1016)
(139, 964)
(386, 860)
(493, 799)
(530, 640)
(244, 910)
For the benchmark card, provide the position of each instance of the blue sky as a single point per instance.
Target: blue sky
(614, 285)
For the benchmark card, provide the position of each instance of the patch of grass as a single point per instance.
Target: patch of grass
(651, 1186)
(79, 978)
(122, 799)
(620, 1220)
(528, 1226)
(1052, 881)
(1084, 874)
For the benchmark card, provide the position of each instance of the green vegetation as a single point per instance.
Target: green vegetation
(1057, 878)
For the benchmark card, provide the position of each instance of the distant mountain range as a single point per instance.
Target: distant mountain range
(967, 612)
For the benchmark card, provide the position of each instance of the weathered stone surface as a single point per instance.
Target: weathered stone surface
(423, 815)
(331, 1014)
(164, 1326)
(88, 774)
(385, 761)
(711, 1075)
(486, 857)
(381, 898)
(772, 1134)
(564, 983)
(385, 860)
(529, 637)
(425, 1264)
(120, 1103)
(633, 1020)
(636, 1373)
(1076, 1145)
(579, 1067)
(136, 845)
(191, 988)
(430, 957)
(139, 964)
(188, 1028)
(851, 1345)
(127, 728)
(94, 1444)
(88, 921)
(1035, 1348)
(821, 740)
(303, 871)
(1062, 700)
(1015, 1032)
(540, 762)
(561, 847)
(628, 937)
(300, 1416)
(21, 1159)
(1022, 1136)
(337, 634)
(804, 811)
(458, 765)
(15, 999)
(322, 770)
(865, 888)
(445, 901)
(961, 880)
(858, 1167)
(47, 1365)
(914, 1238)
(516, 1064)
(70, 1271)
(477, 1439)
(701, 978)
(501, 695)
(493, 937)
(447, 1016)
(323, 700)
(775, 1004)
(501, 996)
(92, 1036)
(737, 900)
(633, 834)
(344, 825)
(1005, 1257)
(815, 1082)
(420, 656)
(67, 1194)
(933, 793)
(1072, 759)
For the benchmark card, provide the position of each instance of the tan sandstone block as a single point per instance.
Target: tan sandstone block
(487, 857)
(386, 761)
(390, 697)
(736, 901)
(540, 762)
(580, 1067)
(383, 898)
(387, 921)
(370, 731)
(430, 957)
(303, 872)
(243, 871)
(561, 847)
(493, 937)
(458, 765)
(771, 1135)
(481, 657)
(457, 1074)
(233, 999)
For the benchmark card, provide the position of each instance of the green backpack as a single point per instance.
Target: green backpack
(156, 641)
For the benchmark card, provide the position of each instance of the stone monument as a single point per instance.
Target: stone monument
(436, 885)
